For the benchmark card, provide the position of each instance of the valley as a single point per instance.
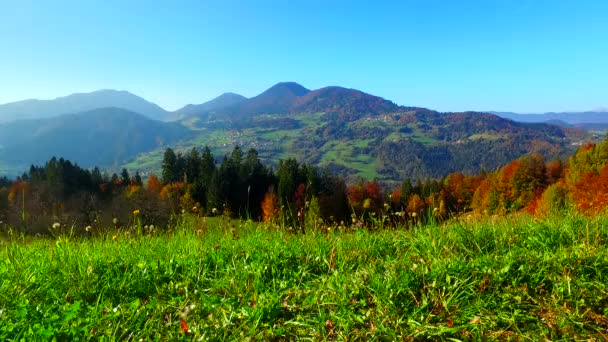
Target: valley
(346, 131)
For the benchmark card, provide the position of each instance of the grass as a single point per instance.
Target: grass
(515, 278)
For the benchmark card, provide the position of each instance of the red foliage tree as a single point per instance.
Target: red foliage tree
(153, 184)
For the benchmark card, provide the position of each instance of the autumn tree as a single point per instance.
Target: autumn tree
(270, 206)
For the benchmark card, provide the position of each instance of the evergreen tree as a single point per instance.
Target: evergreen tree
(125, 178)
(207, 167)
(169, 167)
(193, 165)
(137, 179)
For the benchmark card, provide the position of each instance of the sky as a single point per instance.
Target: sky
(505, 55)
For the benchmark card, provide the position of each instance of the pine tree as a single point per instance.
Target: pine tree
(125, 178)
(137, 179)
(169, 167)
(207, 167)
(193, 165)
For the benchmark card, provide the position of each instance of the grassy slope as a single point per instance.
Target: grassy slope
(512, 278)
(275, 144)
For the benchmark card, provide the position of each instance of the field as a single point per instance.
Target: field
(514, 278)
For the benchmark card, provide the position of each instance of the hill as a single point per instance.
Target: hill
(103, 137)
(351, 132)
(278, 99)
(80, 102)
(361, 135)
(220, 102)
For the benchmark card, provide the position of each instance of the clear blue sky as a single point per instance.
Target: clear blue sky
(510, 55)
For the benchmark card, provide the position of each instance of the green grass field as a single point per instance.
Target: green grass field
(515, 278)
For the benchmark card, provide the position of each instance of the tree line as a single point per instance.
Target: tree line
(294, 194)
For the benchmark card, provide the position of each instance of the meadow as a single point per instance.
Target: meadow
(497, 278)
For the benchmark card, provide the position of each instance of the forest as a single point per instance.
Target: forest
(294, 194)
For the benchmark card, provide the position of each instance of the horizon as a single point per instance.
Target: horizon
(509, 56)
(596, 110)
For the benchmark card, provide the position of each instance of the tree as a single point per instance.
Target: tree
(415, 206)
(207, 167)
(125, 178)
(270, 206)
(153, 185)
(193, 166)
(289, 177)
(137, 179)
(170, 169)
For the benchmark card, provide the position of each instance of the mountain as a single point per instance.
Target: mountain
(222, 101)
(275, 100)
(103, 137)
(361, 135)
(599, 116)
(80, 102)
(291, 98)
(348, 131)
(348, 104)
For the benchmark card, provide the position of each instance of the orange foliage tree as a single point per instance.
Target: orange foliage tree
(590, 193)
(270, 206)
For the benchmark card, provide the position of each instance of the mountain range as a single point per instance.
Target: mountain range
(105, 136)
(80, 102)
(346, 130)
(598, 116)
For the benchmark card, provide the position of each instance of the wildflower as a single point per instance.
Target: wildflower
(151, 227)
(183, 326)
(367, 203)
(87, 229)
(56, 225)
(214, 211)
(183, 211)
(115, 221)
(435, 210)
(114, 238)
(385, 205)
(135, 212)
(414, 214)
(354, 220)
(194, 209)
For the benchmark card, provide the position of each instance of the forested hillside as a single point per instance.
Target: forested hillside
(358, 135)
(354, 134)
(242, 186)
(106, 137)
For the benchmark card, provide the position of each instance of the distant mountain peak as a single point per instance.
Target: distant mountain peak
(227, 99)
(286, 88)
(80, 102)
